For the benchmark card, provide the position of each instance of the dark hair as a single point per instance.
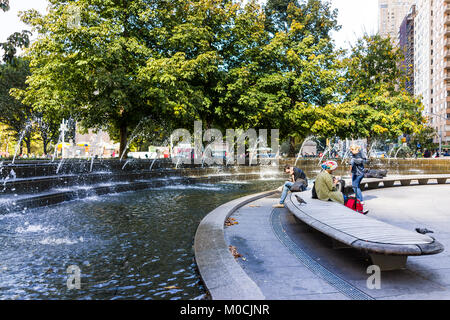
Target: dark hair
(287, 167)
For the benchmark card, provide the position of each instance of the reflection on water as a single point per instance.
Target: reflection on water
(135, 245)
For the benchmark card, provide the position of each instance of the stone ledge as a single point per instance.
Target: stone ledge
(405, 181)
(222, 275)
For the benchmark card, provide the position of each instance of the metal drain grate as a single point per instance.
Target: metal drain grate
(340, 284)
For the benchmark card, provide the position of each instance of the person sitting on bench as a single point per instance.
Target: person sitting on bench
(325, 184)
(297, 177)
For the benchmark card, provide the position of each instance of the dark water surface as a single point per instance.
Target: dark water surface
(135, 245)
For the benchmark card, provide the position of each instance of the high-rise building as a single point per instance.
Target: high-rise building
(406, 44)
(391, 15)
(432, 63)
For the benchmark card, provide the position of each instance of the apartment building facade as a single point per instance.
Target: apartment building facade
(406, 44)
(391, 16)
(432, 63)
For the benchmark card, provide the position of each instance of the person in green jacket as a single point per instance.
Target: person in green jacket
(326, 184)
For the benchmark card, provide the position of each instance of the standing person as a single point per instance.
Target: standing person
(295, 175)
(357, 170)
(325, 184)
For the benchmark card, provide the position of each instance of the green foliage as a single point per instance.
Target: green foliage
(162, 64)
(373, 66)
(374, 103)
(4, 5)
(13, 74)
(12, 112)
(425, 138)
(293, 71)
(14, 41)
(210, 60)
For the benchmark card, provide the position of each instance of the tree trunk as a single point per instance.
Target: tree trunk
(45, 144)
(45, 141)
(291, 147)
(28, 143)
(123, 140)
(369, 142)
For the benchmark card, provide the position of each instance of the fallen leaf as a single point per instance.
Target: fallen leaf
(234, 252)
(230, 221)
(171, 287)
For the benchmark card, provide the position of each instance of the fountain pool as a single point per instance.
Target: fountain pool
(134, 245)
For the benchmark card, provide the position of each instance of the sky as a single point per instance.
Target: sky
(9, 20)
(355, 16)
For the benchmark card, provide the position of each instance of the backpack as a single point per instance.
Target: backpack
(373, 173)
(314, 193)
(355, 205)
(299, 186)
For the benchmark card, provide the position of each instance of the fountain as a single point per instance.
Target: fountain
(140, 223)
(402, 147)
(208, 147)
(19, 142)
(253, 151)
(134, 135)
(307, 139)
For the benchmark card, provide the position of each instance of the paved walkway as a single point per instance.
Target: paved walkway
(302, 265)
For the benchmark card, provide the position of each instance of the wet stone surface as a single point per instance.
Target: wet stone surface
(280, 275)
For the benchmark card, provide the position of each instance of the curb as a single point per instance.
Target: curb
(223, 277)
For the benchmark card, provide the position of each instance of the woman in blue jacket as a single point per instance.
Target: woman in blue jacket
(357, 169)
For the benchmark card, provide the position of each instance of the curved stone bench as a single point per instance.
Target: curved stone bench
(388, 246)
(373, 183)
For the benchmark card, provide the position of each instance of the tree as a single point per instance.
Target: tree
(153, 66)
(133, 61)
(317, 17)
(4, 5)
(15, 114)
(48, 127)
(293, 71)
(374, 101)
(424, 139)
(373, 66)
(18, 116)
(383, 117)
(13, 73)
(13, 42)
(86, 63)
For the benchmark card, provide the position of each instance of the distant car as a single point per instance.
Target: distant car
(378, 154)
(265, 153)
